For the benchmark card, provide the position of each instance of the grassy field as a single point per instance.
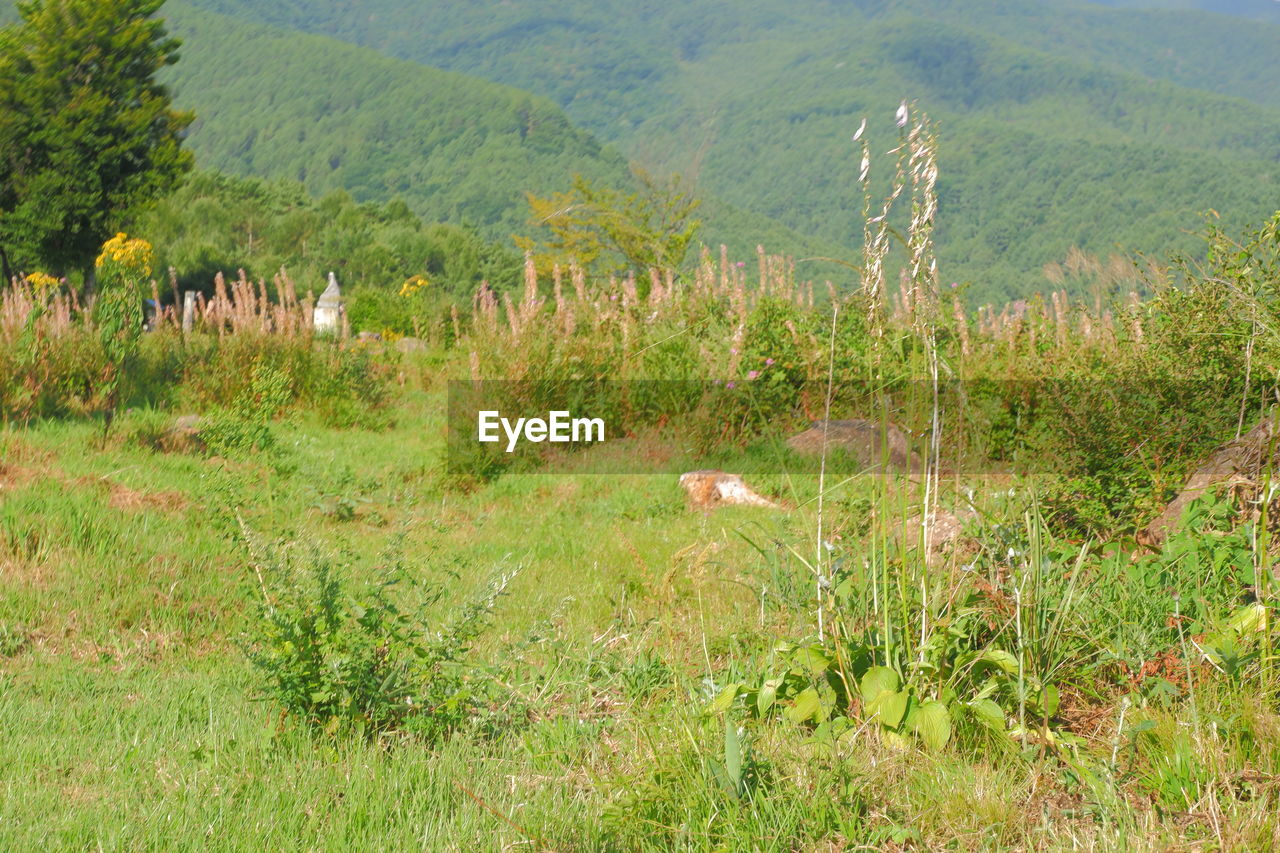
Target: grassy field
(294, 626)
(132, 719)
(129, 710)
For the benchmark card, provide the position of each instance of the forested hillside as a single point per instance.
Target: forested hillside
(219, 223)
(1062, 124)
(332, 116)
(284, 105)
(1259, 10)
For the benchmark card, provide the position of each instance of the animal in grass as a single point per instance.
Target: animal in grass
(708, 489)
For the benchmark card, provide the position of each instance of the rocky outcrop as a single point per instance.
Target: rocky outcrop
(873, 445)
(1238, 463)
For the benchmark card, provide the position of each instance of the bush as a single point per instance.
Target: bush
(245, 425)
(362, 658)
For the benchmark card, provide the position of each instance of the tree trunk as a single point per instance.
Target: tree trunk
(8, 270)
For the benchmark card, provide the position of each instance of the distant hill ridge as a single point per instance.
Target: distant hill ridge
(1062, 123)
(282, 104)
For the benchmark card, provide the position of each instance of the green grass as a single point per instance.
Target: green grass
(132, 720)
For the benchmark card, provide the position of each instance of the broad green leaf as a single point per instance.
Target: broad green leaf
(768, 695)
(1140, 727)
(895, 740)
(732, 755)
(1049, 700)
(807, 706)
(890, 707)
(724, 701)
(1248, 619)
(722, 777)
(1000, 659)
(830, 731)
(877, 680)
(812, 659)
(988, 713)
(932, 722)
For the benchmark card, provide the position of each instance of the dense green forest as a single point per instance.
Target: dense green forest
(1260, 10)
(454, 148)
(1062, 124)
(284, 105)
(219, 223)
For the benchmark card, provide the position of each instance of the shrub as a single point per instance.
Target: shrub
(245, 425)
(362, 658)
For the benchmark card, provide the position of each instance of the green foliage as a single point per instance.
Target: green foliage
(261, 375)
(609, 231)
(116, 315)
(217, 223)
(87, 135)
(335, 117)
(1055, 117)
(397, 312)
(245, 425)
(364, 658)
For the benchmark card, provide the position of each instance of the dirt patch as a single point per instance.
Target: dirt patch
(20, 463)
(15, 476)
(122, 497)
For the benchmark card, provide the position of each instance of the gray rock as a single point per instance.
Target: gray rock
(871, 443)
(410, 345)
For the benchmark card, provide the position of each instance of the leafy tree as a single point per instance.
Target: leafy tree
(218, 223)
(87, 135)
(611, 230)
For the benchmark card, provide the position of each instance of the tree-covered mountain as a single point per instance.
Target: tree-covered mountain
(332, 116)
(1062, 123)
(286, 105)
(1258, 10)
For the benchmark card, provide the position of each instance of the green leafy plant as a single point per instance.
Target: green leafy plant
(245, 425)
(364, 658)
(117, 314)
(738, 773)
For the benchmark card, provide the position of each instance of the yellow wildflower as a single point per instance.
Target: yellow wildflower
(414, 284)
(131, 257)
(42, 282)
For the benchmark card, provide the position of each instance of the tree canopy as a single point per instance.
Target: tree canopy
(87, 133)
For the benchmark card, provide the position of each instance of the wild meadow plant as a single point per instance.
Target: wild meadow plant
(343, 657)
(1046, 617)
(68, 354)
